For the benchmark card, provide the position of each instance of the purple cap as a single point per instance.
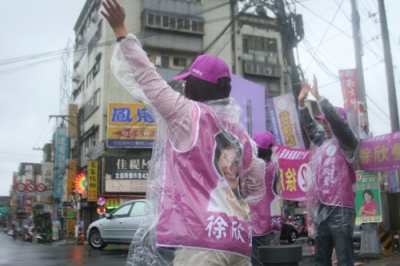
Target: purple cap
(263, 140)
(208, 68)
(340, 110)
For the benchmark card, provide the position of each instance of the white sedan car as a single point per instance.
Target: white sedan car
(118, 227)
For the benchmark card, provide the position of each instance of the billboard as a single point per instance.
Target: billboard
(130, 125)
(285, 123)
(126, 173)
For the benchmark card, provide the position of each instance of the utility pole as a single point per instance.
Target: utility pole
(290, 38)
(358, 51)
(233, 5)
(394, 115)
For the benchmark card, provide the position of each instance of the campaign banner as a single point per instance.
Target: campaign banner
(295, 172)
(368, 198)
(130, 125)
(61, 156)
(284, 120)
(355, 110)
(381, 153)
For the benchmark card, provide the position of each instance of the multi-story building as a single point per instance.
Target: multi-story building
(174, 33)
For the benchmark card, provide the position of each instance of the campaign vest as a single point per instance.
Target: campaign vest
(336, 177)
(262, 219)
(189, 180)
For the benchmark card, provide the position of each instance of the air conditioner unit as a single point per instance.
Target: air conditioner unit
(158, 61)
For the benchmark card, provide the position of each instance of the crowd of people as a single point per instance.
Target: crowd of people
(214, 193)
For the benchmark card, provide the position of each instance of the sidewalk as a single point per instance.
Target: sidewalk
(67, 242)
(392, 259)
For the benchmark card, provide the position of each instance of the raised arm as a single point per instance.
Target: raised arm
(339, 126)
(134, 70)
(314, 131)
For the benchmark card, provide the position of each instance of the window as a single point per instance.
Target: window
(150, 19)
(165, 61)
(260, 46)
(92, 105)
(181, 62)
(158, 20)
(122, 211)
(165, 23)
(195, 25)
(95, 39)
(94, 71)
(138, 209)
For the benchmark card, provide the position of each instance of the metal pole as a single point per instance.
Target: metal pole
(358, 56)
(394, 115)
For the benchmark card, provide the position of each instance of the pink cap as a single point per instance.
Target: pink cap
(208, 68)
(340, 110)
(263, 140)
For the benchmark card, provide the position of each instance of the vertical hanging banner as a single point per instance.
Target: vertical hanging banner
(286, 128)
(61, 155)
(355, 110)
(92, 180)
(368, 198)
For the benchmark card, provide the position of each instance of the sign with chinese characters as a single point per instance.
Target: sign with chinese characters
(48, 174)
(130, 125)
(127, 167)
(113, 202)
(295, 172)
(61, 156)
(285, 124)
(126, 173)
(380, 153)
(355, 110)
(92, 180)
(368, 198)
(71, 173)
(70, 228)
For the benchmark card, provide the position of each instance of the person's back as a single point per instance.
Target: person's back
(203, 164)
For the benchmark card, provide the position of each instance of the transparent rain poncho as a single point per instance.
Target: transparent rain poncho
(203, 174)
(331, 197)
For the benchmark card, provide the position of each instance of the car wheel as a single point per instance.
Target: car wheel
(95, 240)
(292, 236)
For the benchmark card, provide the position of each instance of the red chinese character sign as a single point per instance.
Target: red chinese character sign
(355, 110)
(295, 172)
(80, 183)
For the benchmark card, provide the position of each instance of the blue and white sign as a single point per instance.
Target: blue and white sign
(61, 156)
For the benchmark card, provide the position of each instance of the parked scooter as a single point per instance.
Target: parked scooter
(43, 238)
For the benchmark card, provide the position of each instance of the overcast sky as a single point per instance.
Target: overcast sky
(30, 88)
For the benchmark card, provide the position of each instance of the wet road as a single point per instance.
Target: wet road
(22, 253)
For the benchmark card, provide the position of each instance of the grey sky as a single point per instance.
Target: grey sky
(32, 27)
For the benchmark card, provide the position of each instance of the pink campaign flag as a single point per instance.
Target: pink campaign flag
(295, 172)
(380, 153)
